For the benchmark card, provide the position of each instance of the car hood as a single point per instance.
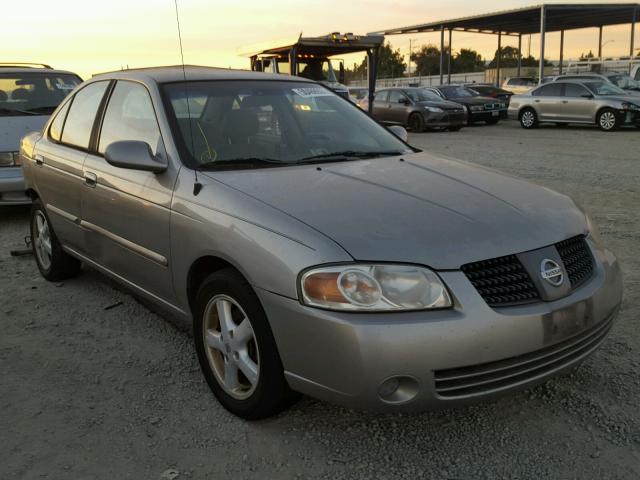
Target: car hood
(440, 104)
(426, 209)
(473, 100)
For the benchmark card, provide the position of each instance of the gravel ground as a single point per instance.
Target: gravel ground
(90, 392)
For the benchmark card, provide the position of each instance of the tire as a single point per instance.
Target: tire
(492, 121)
(608, 120)
(416, 122)
(52, 261)
(225, 357)
(528, 118)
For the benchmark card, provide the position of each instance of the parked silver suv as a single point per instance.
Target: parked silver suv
(312, 249)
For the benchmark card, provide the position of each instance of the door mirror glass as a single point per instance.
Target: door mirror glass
(399, 132)
(134, 155)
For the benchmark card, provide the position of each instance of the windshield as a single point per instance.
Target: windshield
(34, 93)
(320, 70)
(419, 95)
(624, 81)
(457, 92)
(280, 122)
(605, 88)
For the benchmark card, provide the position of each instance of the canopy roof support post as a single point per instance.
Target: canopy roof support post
(561, 51)
(372, 71)
(498, 56)
(600, 42)
(519, 54)
(543, 34)
(633, 37)
(449, 58)
(441, 54)
(293, 61)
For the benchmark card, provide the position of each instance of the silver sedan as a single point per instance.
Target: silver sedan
(311, 249)
(587, 102)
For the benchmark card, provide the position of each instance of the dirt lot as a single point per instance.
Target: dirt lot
(90, 392)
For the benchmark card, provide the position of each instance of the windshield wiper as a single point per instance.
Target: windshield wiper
(346, 155)
(4, 110)
(238, 163)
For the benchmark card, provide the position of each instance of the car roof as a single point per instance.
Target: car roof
(43, 71)
(175, 73)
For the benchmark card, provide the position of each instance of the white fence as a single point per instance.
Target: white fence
(427, 81)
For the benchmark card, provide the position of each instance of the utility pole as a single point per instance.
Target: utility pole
(411, 40)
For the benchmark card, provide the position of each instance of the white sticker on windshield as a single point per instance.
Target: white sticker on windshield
(309, 92)
(65, 86)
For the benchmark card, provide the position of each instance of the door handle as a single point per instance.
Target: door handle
(39, 160)
(537, 101)
(565, 101)
(90, 179)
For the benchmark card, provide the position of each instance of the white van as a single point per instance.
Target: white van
(29, 93)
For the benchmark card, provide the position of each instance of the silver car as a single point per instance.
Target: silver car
(312, 250)
(587, 102)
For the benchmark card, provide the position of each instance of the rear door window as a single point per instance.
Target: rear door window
(55, 131)
(82, 114)
(549, 90)
(130, 116)
(382, 96)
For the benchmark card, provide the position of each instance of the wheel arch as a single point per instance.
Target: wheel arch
(32, 194)
(200, 269)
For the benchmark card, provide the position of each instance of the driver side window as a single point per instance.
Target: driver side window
(130, 116)
(395, 96)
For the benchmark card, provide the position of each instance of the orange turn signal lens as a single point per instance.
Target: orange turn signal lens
(323, 287)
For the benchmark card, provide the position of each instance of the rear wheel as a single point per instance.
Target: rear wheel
(528, 118)
(52, 261)
(236, 348)
(608, 120)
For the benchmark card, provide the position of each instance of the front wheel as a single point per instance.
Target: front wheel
(416, 122)
(528, 118)
(53, 262)
(236, 348)
(608, 120)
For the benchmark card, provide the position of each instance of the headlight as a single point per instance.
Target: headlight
(373, 288)
(593, 230)
(9, 159)
(477, 108)
(630, 106)
(434, 109)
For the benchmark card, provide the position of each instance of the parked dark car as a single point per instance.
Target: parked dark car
(416, 108)
(479, 108)
(492, 91)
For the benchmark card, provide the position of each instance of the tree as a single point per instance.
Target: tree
(390, 64)
(427, 60)
(589, 55)
(509, 59)
(467, 60)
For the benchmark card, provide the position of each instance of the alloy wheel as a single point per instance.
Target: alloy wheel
(528, 119)
(231, 346)
(42, 240)
(607, 120)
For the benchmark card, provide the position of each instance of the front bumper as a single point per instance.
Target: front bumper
(345, 357)
(445, 119)
(12, 190)
(483, 116)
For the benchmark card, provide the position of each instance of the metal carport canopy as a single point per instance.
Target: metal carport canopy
(536, 19)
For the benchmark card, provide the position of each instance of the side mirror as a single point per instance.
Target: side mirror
(134, 155)
(586, 95)
(399, 132)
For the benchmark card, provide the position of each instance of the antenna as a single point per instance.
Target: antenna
(197, 186)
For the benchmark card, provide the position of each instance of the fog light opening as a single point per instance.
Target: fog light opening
(398, 389)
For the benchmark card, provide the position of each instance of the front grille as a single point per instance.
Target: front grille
(492, 377)
(577, 259)
(501, 281)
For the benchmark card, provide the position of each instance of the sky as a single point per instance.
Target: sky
(91, 36)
